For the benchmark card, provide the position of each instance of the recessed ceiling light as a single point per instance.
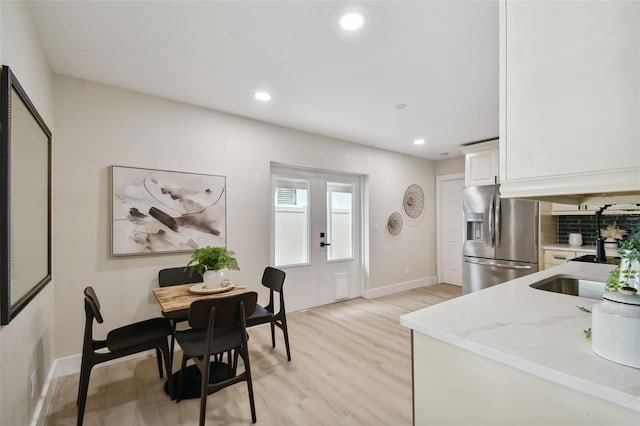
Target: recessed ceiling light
(262, 96)
(419, 141)
(351, 21)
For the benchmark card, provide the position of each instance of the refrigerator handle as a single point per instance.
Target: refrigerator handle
(498, 264)
(497, 219)
(491, 216)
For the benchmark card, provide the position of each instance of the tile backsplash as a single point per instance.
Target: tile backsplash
(586, 225)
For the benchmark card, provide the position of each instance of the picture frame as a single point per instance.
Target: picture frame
(162, 211)
(25, 199)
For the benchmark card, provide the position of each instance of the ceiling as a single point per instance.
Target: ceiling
(439, 58)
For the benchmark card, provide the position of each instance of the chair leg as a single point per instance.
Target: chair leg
(273, 334)
(204, 388)
(285, 331)
(182, 367)
(244, 352)
(173, 341)
(83, 388)
(159, 359)
(167, 363)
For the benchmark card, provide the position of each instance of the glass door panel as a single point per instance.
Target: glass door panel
(291, 221)
(340, 221)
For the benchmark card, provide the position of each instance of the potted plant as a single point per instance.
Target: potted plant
(612, 235)
(209, 263)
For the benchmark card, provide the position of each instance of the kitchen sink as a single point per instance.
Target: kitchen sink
(571, 285)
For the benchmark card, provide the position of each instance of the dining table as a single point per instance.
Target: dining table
(176, 300)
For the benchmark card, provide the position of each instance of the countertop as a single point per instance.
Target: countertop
(535, 331)
(567, 247)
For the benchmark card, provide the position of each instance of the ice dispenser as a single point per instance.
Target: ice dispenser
(474, 223)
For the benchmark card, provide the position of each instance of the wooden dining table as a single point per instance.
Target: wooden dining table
(177, 298)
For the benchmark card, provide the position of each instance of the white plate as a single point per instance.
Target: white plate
(199, 289)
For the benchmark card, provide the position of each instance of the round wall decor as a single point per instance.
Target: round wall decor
(413, 201)
(394, 224)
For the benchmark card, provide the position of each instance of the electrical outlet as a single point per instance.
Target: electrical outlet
(32, 383)
(406, 271)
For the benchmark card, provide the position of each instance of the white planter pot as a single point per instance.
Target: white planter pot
(611, 247)
(213, 278)
(615, 327)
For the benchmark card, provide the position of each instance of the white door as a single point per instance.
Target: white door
(449, 229)
(316, 235)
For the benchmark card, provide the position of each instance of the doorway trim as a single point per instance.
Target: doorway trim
(439, 234)
(362, 196)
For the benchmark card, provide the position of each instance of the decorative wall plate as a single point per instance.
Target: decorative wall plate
(413, 201)
(394, 224)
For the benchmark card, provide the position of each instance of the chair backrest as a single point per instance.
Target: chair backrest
(226, 310)
(92, 305)
(273, 278)
(174, 276)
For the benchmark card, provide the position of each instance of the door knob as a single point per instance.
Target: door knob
(322, 244)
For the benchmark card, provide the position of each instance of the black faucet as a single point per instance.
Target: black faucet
(600, 256)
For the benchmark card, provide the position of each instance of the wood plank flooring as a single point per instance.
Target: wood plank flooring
(351, 365)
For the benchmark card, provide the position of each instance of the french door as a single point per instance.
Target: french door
(316, 235)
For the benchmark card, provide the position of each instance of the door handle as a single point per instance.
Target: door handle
(491, 222)
(322, 244)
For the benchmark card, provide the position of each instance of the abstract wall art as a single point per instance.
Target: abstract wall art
(159, 211)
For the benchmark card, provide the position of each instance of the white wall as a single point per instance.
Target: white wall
(450, 166)
(27, 343)
(98, 126)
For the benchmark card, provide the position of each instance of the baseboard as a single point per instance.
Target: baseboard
(40, 413)
(64, 367)
(395, 288)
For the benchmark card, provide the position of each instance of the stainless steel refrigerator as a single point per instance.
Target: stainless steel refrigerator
(500, 238)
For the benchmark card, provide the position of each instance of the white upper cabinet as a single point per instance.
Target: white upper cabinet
(569, 98)
(481, 164)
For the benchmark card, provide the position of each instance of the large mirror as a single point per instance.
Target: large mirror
(25, 198)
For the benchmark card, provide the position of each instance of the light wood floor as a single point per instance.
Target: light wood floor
(351, 365)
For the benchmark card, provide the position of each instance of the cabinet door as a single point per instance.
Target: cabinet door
(481, 168)
(570, 75)
(557, 257)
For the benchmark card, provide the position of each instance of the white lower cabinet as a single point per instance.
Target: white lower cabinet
(558, 257)
(496, 394)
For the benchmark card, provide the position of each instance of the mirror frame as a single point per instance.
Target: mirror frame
(11, 87)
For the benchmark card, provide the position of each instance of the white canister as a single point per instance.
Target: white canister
(575, 240)
(615, 327)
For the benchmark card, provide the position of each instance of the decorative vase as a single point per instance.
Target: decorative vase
(611, 247)
(575, 240)
(213, 278)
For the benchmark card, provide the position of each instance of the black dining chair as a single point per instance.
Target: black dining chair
(120, 342)
(218, 326)
(273, 279)
(175, 276)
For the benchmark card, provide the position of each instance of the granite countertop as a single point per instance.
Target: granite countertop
(535, 331)
(567, 247)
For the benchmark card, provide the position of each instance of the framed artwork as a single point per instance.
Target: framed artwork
(160, 211)
(25, 200)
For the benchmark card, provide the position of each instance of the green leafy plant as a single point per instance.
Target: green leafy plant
(587, 332)
(211, 258)
(583, 309)
(626, 274)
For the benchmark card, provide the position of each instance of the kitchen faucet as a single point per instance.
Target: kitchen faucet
(600, 256)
